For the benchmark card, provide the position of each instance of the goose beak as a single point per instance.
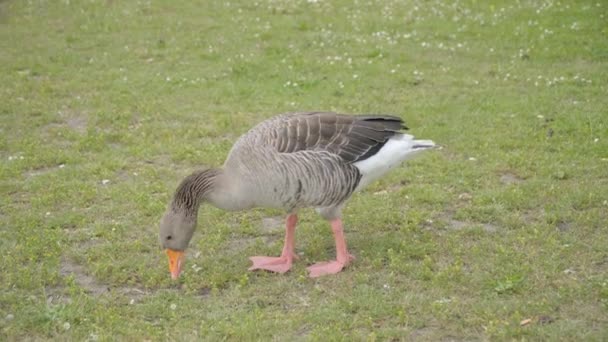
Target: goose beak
(175, 262)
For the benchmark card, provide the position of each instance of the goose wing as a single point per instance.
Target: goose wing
(351, 137)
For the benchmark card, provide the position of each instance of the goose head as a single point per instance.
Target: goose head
(179, 221)
(176, 229)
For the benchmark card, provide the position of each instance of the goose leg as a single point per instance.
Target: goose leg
(283, 263)
(343, 258)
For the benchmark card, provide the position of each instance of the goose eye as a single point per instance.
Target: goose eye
(169, 237)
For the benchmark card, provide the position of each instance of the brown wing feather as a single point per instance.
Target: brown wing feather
(352, 137)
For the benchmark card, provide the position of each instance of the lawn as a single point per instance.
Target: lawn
(500, 235)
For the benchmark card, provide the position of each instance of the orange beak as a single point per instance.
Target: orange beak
(175, 262)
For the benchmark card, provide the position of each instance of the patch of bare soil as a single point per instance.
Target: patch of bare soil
(533, 216)
(510, 178)
(272, 224)
(43, 170)
(82, 278)
(91, 285)
(241, 243)
(447, 222)
(563, 226)
(270, 227)
(459, 225)
(392, 188)
(422, 334)
(77, 123)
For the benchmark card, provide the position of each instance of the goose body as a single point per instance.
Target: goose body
(293, 161)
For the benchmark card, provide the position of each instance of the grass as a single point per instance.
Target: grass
(106, 105)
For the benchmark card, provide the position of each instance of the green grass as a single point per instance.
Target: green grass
(106, 105)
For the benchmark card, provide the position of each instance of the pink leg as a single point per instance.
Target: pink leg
(283, 263)
(343, 258)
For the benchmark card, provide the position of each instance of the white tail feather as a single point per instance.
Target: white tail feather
(397, 149)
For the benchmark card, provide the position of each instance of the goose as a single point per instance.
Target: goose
(292, 161)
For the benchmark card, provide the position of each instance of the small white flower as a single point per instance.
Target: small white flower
(173, 306)
(105, 182)
(66, 326)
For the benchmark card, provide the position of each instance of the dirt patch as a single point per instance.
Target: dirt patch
(392, 188)
(241, 243)
(272, 224)
(91, 285)
(82, 278)
(67, 118)
(422, 333)
(533, 216)
(43, 170)
(77, 123)
(269, 227)
(457, 225)
(490, 228)
(460, 225)
(563, 226)
(510, 178)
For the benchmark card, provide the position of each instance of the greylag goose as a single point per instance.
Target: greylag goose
(292, 161)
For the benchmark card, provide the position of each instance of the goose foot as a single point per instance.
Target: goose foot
(283, 263)
(279, 265)
(328, 267)
(343, 258)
